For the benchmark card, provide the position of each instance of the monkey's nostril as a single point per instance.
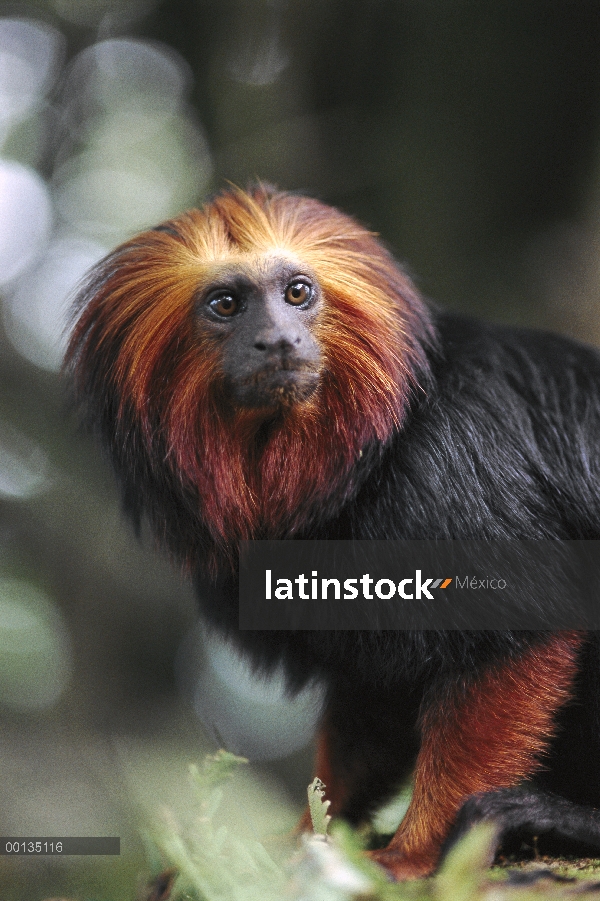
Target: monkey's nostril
(280, 345)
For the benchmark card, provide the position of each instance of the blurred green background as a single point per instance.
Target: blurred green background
(466, 133)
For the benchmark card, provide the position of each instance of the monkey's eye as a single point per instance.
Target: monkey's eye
(298, 293)
(224, 305)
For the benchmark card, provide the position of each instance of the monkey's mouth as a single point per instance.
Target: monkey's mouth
(276, 386)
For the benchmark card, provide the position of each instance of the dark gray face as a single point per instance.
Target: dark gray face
(266, 317)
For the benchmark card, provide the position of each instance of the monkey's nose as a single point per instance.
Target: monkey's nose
(276, 344)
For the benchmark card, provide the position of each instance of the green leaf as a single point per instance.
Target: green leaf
(318, 807)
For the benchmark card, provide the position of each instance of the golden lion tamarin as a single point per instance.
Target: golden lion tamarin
(262, 368)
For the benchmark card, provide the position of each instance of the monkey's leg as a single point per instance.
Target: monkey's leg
(529, 812)
(477, 735)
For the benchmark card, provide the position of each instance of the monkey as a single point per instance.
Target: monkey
(263, 368)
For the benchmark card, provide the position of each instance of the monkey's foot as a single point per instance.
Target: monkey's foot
(402, 867)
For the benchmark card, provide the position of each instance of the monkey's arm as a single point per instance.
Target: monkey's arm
(478, 734)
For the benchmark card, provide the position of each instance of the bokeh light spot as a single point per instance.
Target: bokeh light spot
(24, 467)
(36, 313)
(35, 656)
(25, 218)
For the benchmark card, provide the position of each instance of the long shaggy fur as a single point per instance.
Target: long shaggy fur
(423, 425)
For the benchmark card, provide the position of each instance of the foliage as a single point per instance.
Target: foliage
(214, 865)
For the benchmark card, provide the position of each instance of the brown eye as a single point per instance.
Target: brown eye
(224, 305)
(298, 293)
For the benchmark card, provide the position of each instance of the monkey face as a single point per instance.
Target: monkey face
(264, 315)
(260, 309)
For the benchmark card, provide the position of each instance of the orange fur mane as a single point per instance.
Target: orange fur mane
(146, 368)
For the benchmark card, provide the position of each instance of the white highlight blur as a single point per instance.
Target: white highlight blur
(36, 313)
(144, 159)
(246, 713)
(25, 218)
(29, 56)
